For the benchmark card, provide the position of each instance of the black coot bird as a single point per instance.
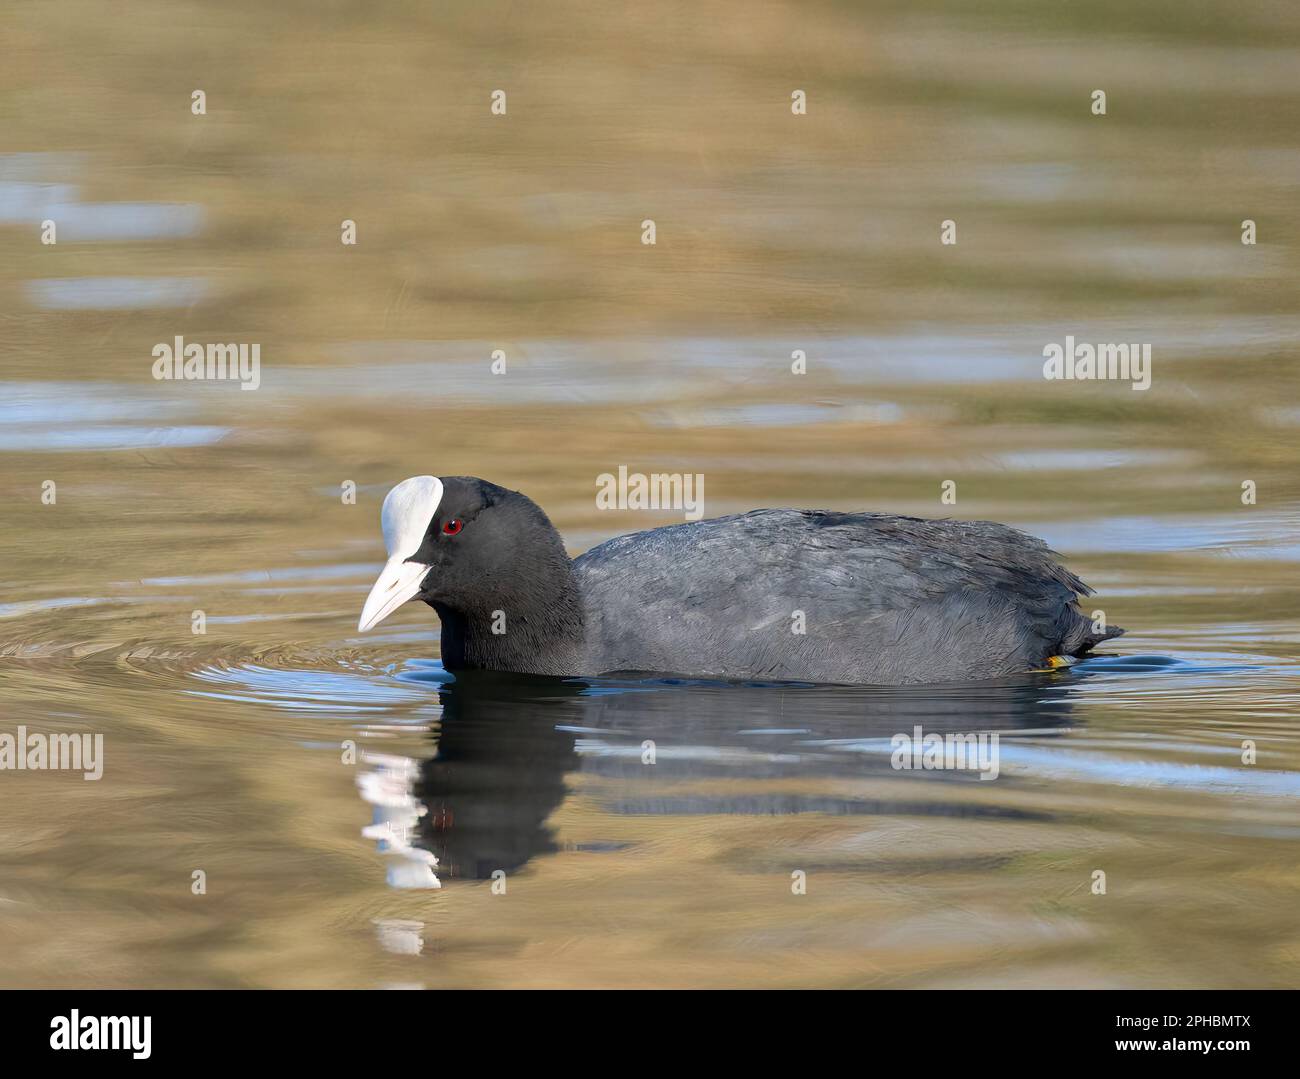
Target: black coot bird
(800, 595)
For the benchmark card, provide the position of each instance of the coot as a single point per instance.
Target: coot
(777, 594)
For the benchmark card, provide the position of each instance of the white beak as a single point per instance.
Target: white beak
(398, 582)
(407, 511)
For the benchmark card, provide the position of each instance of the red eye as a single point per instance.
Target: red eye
(453, 526)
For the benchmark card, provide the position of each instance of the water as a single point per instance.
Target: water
(346, 799)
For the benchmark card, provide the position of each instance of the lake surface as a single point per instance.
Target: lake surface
(348, 801)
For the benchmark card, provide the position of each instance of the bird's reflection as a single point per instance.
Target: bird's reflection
(508, 746)
(498, 773)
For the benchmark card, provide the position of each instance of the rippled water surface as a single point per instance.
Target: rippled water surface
(349, 801)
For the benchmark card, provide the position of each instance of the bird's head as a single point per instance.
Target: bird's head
(459, 542)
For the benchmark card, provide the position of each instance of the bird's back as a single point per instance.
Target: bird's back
(830, 597)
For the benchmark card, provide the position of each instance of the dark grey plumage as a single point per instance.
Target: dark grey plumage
(884, 600)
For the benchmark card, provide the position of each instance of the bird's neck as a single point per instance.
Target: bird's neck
(532, 627)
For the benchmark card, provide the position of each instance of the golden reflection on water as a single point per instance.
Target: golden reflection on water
(522, 233)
